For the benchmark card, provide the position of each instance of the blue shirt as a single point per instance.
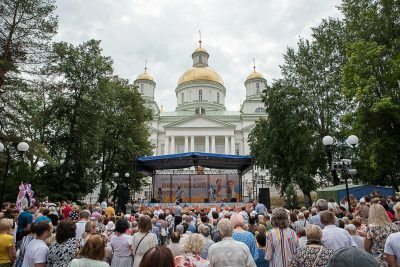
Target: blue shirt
(43, 218)
(316, 219)
(260, 208)
(192, 228)
(247, 238)
(24, 219)
(261, 261)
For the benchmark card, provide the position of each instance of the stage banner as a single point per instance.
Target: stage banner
(218, 182)
(198, 188)
(164, 182)
(233, 193)
(182, 181)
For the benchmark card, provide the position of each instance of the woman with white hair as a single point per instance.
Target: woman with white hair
(204, 230)
(241, 235)
(191, 258)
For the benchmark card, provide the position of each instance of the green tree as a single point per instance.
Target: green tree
(371, 79)
(26, 30)
(26, 119)
(303, 107)
(76, 110)
(291, 201)
(123, 134)
(281, 143)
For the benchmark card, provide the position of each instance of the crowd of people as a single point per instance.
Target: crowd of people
(364, 232)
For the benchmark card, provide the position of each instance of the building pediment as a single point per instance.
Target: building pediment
(249, 127)
(200, 121)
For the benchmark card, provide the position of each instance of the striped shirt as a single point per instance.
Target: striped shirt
(281, 246)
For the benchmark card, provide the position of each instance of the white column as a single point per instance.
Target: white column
(166, 148)
(207, 143)
(192, 143)
(172, 144)
(226, 145)
(213, 144)
(233, 145)
(245, 147)
(186, 143)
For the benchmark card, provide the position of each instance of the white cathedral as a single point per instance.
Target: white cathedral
(200, 122)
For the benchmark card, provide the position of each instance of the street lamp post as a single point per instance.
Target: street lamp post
(18, 151)
(343, 165)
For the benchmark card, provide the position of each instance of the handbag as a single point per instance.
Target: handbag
(133, 256)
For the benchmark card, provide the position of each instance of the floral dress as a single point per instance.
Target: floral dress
(378, 234)
(60, 255)
(307, 255)
(190, 260)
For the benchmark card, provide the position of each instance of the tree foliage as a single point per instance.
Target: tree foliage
(26, 30)
(281, 143)
(371, 78)
(347, 81)
(83, 123)
(303, 107)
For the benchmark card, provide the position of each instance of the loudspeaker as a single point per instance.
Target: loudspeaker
(264, 197)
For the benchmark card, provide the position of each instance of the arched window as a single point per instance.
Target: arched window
(258, 87)
(141, 88)
(200, 58)
(200, 95)
(183, 97)
(218, 98)
(260, 110)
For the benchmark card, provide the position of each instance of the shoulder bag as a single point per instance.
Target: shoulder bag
(319, 253)
(140, 242)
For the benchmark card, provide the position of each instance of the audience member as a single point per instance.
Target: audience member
(229, 252)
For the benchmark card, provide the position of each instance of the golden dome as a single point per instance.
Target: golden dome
(145, 76)
(200, 74)
(255, 75)
(200, 49)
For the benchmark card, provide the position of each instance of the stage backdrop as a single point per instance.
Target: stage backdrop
(196, 188)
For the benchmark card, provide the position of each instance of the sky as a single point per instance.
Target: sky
(166, 32)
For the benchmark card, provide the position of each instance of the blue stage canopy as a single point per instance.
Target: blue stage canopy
(186, 160)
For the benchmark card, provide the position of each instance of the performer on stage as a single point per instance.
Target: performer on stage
(219, 189)
(159, 195)
(179, 193)
(230, 190)
(212, 194)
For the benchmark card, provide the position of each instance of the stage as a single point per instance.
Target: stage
(214, 177)
(201, 205)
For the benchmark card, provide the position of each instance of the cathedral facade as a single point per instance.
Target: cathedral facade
(200, 121)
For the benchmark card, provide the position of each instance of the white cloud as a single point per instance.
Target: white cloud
(166, 33)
